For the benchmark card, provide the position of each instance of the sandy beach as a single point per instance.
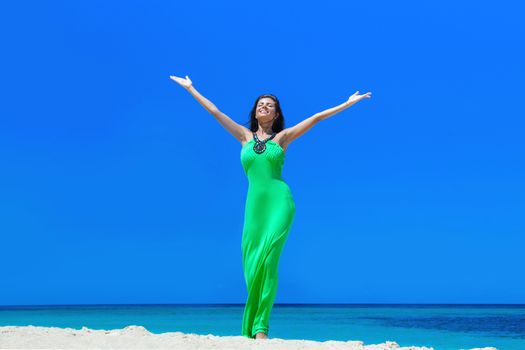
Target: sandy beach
(137, 337)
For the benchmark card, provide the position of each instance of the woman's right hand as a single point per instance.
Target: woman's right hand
(185, 83)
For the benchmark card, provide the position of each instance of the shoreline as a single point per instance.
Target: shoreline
(138, 337)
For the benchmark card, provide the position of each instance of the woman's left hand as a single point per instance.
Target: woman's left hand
(356, 97)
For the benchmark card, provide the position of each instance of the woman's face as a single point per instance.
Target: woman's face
(265, 110)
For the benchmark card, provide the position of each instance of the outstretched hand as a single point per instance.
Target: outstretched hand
(356, 97)
(185, 83)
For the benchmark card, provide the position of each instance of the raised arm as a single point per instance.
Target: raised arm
(292, 133)
(238, 131)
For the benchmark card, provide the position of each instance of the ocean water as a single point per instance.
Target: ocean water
(443, 327)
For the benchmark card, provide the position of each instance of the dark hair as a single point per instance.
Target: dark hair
(278, 123)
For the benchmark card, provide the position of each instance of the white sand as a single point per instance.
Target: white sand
(137, 337)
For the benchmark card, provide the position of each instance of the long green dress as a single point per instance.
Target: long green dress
(268, 217)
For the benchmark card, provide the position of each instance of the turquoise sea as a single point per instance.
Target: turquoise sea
(444, 327)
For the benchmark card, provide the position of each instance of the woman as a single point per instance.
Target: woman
(270, 208)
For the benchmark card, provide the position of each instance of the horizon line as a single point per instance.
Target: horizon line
(276, 304)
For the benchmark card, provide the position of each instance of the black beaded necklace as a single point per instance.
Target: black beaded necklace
(260, 146)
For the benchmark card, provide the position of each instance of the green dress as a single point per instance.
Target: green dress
(269, 213)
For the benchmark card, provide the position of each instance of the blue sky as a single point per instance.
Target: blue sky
(118, 187)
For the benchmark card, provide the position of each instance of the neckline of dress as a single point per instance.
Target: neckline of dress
(278, 145)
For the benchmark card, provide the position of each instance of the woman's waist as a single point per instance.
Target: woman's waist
(269, 186)
(267, 181)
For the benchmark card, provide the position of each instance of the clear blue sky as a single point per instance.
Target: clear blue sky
(118, 187)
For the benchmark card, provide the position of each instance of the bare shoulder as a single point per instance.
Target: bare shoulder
(280, 137)
(246, 135)
(281, 140)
